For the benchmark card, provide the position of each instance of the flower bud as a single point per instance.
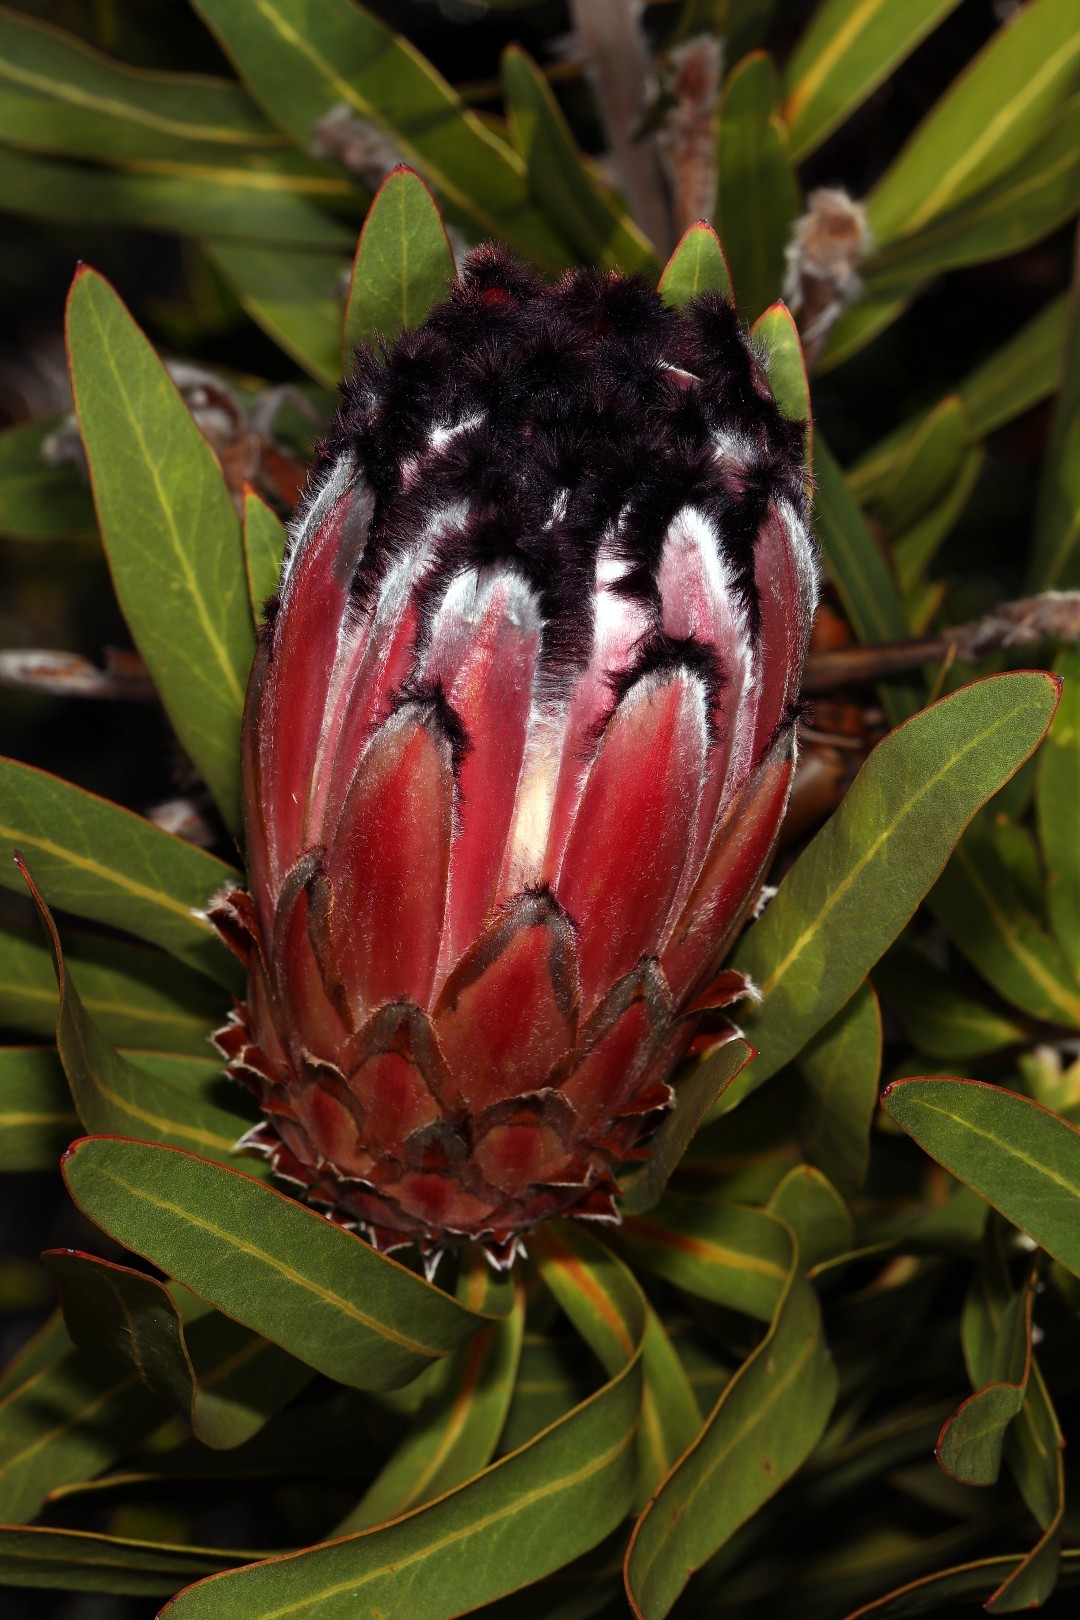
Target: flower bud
(518, 741)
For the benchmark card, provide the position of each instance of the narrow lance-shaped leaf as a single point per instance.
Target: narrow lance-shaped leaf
(860, 573)
(264, 545)
(697, 266)
(59, 95)
(695, 1094)
(841, 1069)
(723, 1252)
(456, 1431)
(925, 467)
(195, 1366)
(37, 1120)
(985, 122)
(112, 1093)
(170, 530)
(1032, 198)
(764, 1426)
(295, 296)
(821, 1221)
(1020, 1157)
(102, 862)
(40, 500)
(303, 58)
(937, 1017)
(758, 195)
(971, 1443)
(1055, 557)
(265, 201)
(271, 1263)
(980, 905)
(68, 1422)
(403, 263)
(848, 49)
(590, 220)
(1018, 375)
(86, 1561)
(855, 886)
(138, 997)
(1057, 796)
(527, 1515)
(936, 1593)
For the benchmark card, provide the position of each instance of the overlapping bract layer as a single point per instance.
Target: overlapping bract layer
(518, 739)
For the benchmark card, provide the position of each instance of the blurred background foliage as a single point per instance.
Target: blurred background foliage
(224, 203)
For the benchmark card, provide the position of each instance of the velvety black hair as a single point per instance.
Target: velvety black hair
(592, 393)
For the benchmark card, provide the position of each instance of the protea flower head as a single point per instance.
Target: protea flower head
(518, 740)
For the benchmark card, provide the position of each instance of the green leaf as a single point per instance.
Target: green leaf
(66, 1423)
(933, 1594)
(264, 546)
(971, 1443)
(925, 468)
(778, 338)
(1018, 375)
(856, 884)
(269, 1262)
(859, 324)
(165, 1098)
(137, 997)
(84, 1561)
(859, 571)
(302, 58)
(696, 266)
(841, 1071)
(606, 1306)
(1021, 206)
(525, 1516)
(997, 1333)
(271, 200)
(456, 1431)
(816, 1213)
(39, 501)
(44, 1349)
(1055, 557)
(758, 194)
(226, 1380)
(403, 264)
(102, 862)
(767, 1421)
(297, 298)
(1021, 1158)
(587, 216)
(170, 530)
(936, 1018)
(848, 49)
(37, 1120)
(1056, 798)
(985, 122)
(695, 1094)
(915, 549)
(241, 1379)
(978, 903)
(59, 95)
(128, 1317)
(734, 1256)
(670, 1414)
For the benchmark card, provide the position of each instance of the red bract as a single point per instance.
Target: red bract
(518, 740)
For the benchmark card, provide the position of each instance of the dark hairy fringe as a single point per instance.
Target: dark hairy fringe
(578, 393)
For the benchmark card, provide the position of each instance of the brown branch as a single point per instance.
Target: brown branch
(1054, 614)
